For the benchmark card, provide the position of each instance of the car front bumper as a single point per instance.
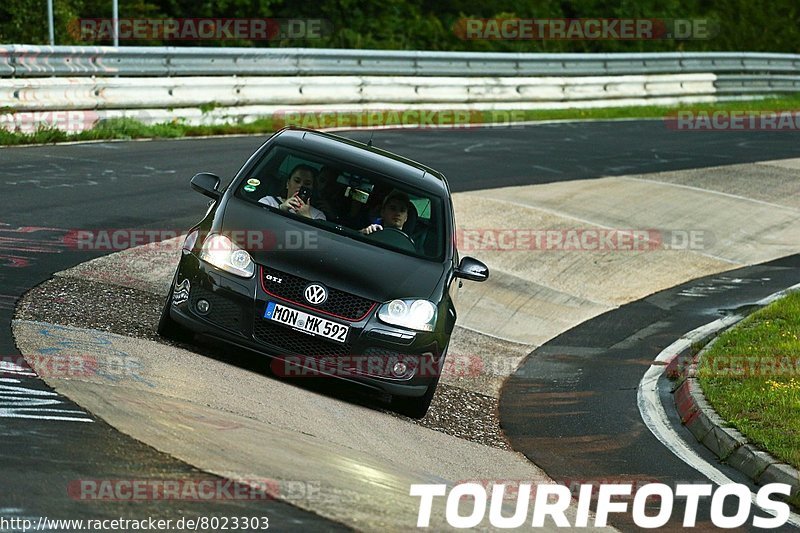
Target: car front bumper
(236, 315)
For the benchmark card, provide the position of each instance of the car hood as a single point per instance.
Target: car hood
(329, 257)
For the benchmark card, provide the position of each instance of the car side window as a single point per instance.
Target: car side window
(426, 234)
(423, 206)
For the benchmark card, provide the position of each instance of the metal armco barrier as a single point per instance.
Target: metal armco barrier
(213, 85)
(223, 91)
(25, 61)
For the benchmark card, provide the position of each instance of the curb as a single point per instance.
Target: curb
(730, 446)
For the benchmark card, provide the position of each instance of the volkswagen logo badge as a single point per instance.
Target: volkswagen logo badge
(315, 294)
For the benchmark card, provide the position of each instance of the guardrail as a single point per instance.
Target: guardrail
(39, 61)
(214, 85)
(34, 94)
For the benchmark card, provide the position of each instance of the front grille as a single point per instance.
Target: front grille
(293, 341)
(223, 312)
(339, 303)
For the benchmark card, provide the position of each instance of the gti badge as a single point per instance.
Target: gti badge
(315, 294)
(276, 279)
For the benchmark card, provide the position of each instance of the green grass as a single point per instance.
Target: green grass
(787, 103)
(126, 128)
(751, 376)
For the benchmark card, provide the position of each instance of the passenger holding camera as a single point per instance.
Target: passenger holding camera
(298, 194)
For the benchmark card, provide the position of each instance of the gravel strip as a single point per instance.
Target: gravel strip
(131, 312)
(465, 414)
(93, 305)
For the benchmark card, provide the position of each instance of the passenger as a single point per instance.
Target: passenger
(301, 176)
(394, 213)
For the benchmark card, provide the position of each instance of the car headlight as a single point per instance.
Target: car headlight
(413, 314)
(223, 253)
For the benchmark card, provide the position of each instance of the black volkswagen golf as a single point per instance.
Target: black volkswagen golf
(332, 257)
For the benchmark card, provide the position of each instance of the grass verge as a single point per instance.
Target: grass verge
(751, 376)
(128, 128)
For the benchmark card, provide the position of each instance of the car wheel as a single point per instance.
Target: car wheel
(167, 327)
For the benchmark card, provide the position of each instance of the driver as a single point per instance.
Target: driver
(394, 213)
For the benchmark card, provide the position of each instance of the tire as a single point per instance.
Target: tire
(415, 407)
(167, 327)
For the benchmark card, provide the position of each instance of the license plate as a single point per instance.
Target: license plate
(306, 323)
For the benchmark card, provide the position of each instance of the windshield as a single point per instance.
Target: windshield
(351, 200)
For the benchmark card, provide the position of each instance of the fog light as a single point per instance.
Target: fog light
(203, 307)
(399, 369)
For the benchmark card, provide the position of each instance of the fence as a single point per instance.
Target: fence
(214, 85)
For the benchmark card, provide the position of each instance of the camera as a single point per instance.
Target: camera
(304, 194)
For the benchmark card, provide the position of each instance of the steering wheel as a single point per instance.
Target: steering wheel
(401, 232)
(394, 237)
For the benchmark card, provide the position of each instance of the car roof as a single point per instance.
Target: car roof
(364, 156)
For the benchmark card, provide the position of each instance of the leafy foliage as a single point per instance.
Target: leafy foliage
(428, 25)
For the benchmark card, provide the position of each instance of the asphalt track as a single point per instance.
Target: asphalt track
(48, 191)
(571, 407)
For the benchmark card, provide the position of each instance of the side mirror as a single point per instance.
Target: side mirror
(206, 183)
(472, 269)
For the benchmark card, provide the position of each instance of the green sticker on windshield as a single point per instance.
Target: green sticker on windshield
(249, 188)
